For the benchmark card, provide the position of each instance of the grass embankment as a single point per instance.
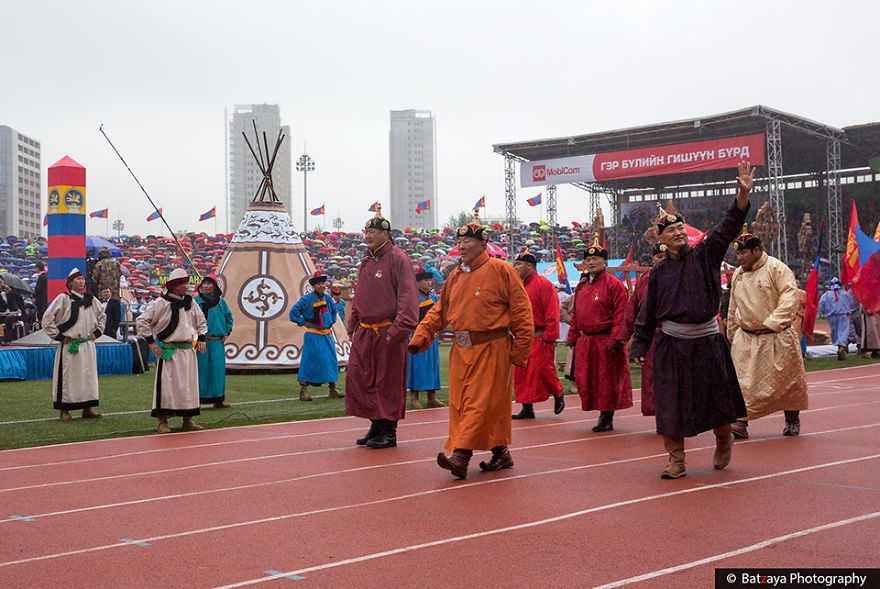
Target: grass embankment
(27, 418)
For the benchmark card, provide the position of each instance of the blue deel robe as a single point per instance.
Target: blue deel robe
(340, 310)
(836, 304)
(423, 373)
(212, 364)
(318, 363)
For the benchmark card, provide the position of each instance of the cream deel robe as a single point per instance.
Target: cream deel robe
(176, 391)
(75, 377)
(769, 366)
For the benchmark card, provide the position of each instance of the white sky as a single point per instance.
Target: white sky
(159, 75)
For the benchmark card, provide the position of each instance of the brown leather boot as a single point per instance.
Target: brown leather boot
(414, 400)
(723, 446)
(433, 401)
(65, 415)
(675, 468)
(304, 393)
(792, 423)
(89, 413)
(221, 405)
(741, 429)
(189, 425)
(334, 392)
(500, 459)
(163, 426)
(457, 463)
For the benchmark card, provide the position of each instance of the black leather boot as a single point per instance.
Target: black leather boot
(376, 426)
(527, 412)
(792, 423)
(387, 438)
(606, 422)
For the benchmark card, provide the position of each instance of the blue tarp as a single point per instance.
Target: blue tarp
(38, 363)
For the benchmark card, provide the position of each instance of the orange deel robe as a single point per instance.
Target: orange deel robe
(490, 296)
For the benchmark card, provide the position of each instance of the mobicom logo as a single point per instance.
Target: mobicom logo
(539, 173)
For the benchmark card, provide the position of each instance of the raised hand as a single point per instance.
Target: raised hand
(745, 180)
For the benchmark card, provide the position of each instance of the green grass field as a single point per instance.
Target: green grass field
(27, 417)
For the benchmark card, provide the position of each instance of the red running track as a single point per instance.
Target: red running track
(297, 504)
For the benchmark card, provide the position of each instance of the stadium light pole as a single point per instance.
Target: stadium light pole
(305, 164)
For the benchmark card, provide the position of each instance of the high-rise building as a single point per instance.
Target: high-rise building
(413, 165)
(20, 193)
(243, 173)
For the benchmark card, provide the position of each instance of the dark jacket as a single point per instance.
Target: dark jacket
(114, 315)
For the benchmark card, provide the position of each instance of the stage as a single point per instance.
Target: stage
(34, 363)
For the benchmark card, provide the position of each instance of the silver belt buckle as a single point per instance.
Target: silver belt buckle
(463, 339)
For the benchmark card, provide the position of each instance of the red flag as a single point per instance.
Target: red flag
(208, 214)
(102, 214)
(849, 265)
(481, 203)
(535, 200)
(561, 272)
(629, 256)
(155, 215)
(374, 207)
(812, 289)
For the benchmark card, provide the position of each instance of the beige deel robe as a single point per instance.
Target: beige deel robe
(75, 377)
(176, 390)
(769, 367)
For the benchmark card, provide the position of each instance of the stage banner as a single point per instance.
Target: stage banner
(650, 161)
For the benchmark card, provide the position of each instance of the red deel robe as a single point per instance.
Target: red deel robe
(537, 381)
(629, 320)
(601, 370)
(386, 290)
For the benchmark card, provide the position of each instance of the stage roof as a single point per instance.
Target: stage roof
(803, 144)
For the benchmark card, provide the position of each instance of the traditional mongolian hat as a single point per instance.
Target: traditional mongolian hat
(336, 291)
(212, 278)
(177, 276)
(422, 274)
(596, 249)
(378, 221)
(317, 278)
(527, 256)
(659, 248)
(474, 229)
(73, 274)
(746, 240)
(667, 217)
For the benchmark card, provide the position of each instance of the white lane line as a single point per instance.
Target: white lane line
(342, 449)
(740, 551)
(300, 435)
(460, 487)
(322, 474)
(541, 522)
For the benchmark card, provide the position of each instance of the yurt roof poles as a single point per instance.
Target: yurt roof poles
(266, 187)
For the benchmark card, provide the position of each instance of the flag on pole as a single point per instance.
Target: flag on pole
(424, 205)
(812, 289)
(155, 215)
(45, 220)
(318, 211)
(374, 207)
(102, 214)
(208, 215)
(561, 273)
(535, 200)
(849, 266)
(481, 204)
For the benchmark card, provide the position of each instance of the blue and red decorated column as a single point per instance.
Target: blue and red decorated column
(67, 223)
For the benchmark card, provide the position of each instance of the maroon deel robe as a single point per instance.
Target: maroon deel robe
(601, 370)
(629, 320)
(375, 385)
(537, 381)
